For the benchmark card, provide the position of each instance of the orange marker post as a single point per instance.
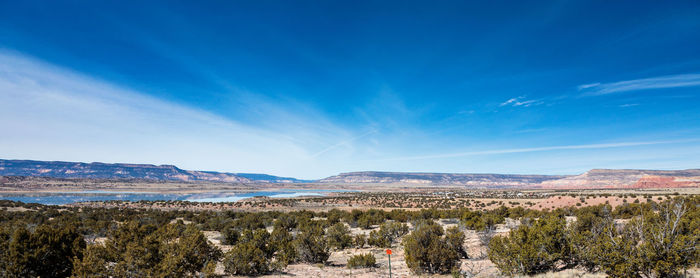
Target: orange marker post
(388, 252)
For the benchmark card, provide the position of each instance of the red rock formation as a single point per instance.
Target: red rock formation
(660, 182)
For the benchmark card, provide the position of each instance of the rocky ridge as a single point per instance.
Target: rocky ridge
(475, 180)
(97, 170)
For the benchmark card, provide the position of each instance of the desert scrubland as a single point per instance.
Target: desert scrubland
(437, 232)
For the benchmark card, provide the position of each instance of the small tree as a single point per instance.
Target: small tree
(252, 255)
(246, 259)
(283, 242)
(387, 234)
(311, 246)
(93, 263)
(427, 251)
(230, 235)
(286, 221)
(46, 252)
(532, 249)
(606, 248)
(339, 236)
(189, 255)
(134, 250)
(378, 239)
(455, 239)
(653, 244)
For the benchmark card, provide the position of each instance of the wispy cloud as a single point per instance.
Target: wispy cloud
(540, 149)
(52, 113)
(662, 82)
(628, 105)
(520, 101)
(344, 142)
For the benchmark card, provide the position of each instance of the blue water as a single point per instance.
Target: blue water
(96, 195)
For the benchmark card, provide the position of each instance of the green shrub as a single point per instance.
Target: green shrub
(286, 221)
(190, 255)
(251, 221)
(335, 215)
(360, 240)
(260, 238)
(339, 236)
(311, 246)
(46, 252)
(283, 242)
(475, 220)
(370, 217)
(135, 250)
(362, 261)
(376, 238)
(655, 244)
(246, 259)
(426, 251)
(531, 249)
(252, 255)
(230, 235)
(93, 263)
(455, 239)
(387, 234)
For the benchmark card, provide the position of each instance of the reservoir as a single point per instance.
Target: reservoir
(62, 198)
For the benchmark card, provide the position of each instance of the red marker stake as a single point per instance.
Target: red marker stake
(388, 252)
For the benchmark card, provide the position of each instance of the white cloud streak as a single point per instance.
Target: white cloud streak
(344, 143)
(519, 101)
(51, 113)
(540, 149)
(662, 82)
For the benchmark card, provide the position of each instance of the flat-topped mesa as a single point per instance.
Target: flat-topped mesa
(596, 178)
(98, 170)
(628, 178)
(440, 178)
(675, 173)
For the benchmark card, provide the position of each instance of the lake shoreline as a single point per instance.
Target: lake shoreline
(212, 196)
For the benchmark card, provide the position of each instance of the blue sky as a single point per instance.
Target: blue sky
(313, 88)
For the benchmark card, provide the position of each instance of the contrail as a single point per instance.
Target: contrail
(344, 142)
(540, 149)
(662, 82)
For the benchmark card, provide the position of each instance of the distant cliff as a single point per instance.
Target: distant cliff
(474, 180)
(97, 170)
(596, 178)
(628, 178)
(271, 178)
